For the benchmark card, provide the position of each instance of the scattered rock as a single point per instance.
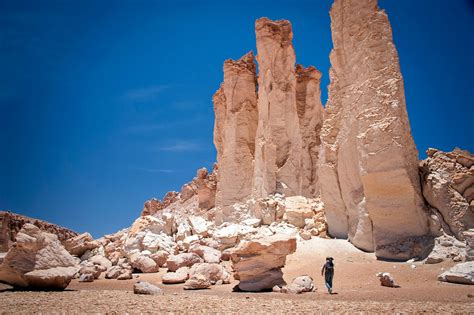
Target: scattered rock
(210, 255)
(461, 273)
(78, 245)
(87, 277)
(213, 272)
(197, 282)
(142, 287)
(386, 279)
(180, 276)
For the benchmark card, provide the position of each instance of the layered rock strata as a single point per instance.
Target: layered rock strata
(11, 224)
(235, 105)
(448, 187)
(267, 142)
(257, 263)
(369, 174)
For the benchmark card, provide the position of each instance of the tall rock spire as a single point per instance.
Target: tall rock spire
(235, 106)
(369, 162)
(279, 145)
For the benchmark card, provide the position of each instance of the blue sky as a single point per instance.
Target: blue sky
(105, 104)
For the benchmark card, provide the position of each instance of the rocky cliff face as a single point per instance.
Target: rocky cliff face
(448, 187)
(369, 175)
(11, 224)
(267, 142)
(235, 105)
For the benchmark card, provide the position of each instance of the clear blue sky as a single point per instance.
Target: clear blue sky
(105, 104)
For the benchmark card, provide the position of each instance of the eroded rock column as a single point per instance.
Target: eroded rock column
(235, 105)
(368, 174)
(279, 145)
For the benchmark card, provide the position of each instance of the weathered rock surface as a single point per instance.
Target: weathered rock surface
(175, 262)
(279, 144)
(142, 287)
(461, 273)
(37, 260)
(213, 272)
(209, 254)
(448, 187)
(257, 263)
(78, 245)
(179, 276)
(386, 279)
(197, 282)
(300, 285)
(446, 247)
(235, 106)
(11, 224)
(369, 176)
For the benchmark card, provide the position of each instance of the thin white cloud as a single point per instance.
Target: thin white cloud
(182, 146)
(145, 94)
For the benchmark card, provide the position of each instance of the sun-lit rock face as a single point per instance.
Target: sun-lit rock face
(279, 144)
(369, 176)
(235, 105)
(448, 186)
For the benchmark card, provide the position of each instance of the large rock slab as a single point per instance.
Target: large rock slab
(448, 187)
(368, 171)
(257, 263)
(461, 273)
(78, 245)
(38, 261)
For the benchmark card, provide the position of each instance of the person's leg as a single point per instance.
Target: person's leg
(331, 275)
(328, 281)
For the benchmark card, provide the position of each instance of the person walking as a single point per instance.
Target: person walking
(328, 271)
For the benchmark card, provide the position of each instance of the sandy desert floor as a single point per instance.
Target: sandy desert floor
(358, 290)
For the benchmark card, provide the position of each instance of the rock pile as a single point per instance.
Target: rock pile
(37, 261)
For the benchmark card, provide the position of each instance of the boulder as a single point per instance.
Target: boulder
(175, 262)
(38, 260)
(101, 260)
(462, 273)
(197, 282)
(92, 269)
(213, 272)
(299, 285)
(448, 187)
(142, 287)
(297, 209)
(160, 257)
(199, 225)
(179, 276)
(86, 277)
(209, 254)
(125, 275)
(257, 263)
(386, 279)
(145, 264)
(78, 245)
(268, 209)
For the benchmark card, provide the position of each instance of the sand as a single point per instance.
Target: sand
(356, 286)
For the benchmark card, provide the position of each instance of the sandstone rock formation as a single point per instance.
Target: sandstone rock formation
(448, 187)
(279, 143)
(11, 224)
(257, 263)
(38, 261)
(198, 195)
(235, 106)
(369, 177)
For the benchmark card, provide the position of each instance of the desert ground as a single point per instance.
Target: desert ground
(357, 290)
